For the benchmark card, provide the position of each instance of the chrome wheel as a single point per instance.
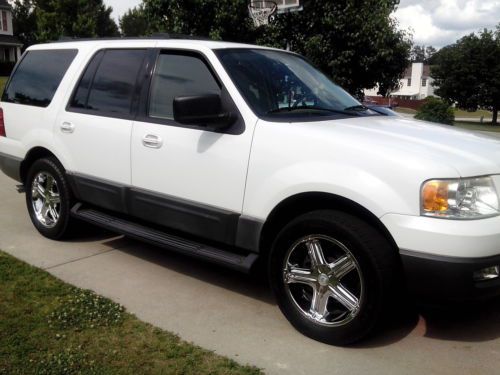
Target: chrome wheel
(324, 280)
(45, 199)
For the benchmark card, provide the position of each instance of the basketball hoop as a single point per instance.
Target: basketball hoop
(262, 11)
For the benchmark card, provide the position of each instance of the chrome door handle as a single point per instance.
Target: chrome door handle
(152, 141)
(67, 127)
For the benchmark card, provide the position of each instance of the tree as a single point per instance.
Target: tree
(134, 22)
(422, 54)
(468, 72)
(46, 20)
(436, 110)
(417, 54)
(430, 51)
(24, 22)
(356, 43)
(223, 19)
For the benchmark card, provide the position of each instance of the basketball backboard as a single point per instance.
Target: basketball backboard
(284, 6)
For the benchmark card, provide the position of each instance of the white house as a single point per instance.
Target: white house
(10, 46)
(416, 84)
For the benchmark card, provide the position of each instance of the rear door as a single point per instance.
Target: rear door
(95, 128)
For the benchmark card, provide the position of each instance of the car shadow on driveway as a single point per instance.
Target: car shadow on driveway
(467, 323)
(250, 285)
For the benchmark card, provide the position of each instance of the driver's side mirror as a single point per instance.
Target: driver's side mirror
(204, 110)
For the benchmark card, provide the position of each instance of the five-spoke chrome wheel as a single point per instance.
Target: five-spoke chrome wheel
(324, 280)
(45, 199)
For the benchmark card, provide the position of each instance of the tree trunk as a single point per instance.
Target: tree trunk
(495, 116)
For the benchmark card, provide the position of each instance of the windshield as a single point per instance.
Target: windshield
(276, 83)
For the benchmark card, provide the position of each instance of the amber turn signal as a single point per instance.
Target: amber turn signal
(435, 196)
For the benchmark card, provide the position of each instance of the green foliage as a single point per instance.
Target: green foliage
(24, 21)
(223, 19)
(134, 22)
(422, 54)
(436, 110)
(38, 21)
(356, 43)
(83, 309)
(468, 72)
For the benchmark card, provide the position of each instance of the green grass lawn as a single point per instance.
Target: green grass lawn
(458, 113)
(476, 114)
(49, 327)
(3, 81)
(405, 110)
(487, 127)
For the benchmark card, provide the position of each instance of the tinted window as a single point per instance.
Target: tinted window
(281, 84)
(114, 81)
(82, 92)
(38, 76)
(178, 75)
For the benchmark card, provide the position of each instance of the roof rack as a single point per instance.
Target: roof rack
(178, 36)
(64, 39)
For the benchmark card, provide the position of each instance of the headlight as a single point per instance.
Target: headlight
(468, 198)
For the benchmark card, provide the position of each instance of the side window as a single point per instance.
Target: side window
(82, 92)
(38, 76)
(178, 75)
(110, 88)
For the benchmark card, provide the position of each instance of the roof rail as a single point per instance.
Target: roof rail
(178, 36)
(64, 39)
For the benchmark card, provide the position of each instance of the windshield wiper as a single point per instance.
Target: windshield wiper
(314, 108)
(359, 107)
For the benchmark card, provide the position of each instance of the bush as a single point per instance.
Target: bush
(436, 110)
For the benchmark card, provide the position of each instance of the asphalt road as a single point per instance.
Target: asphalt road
(235, 315)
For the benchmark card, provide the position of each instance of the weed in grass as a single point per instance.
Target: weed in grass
(82, 309)
(68, 362)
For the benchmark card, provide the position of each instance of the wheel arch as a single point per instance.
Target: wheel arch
(301, 203)
(33, 155)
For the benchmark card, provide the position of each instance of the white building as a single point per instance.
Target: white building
(10, 46)
(416, 84)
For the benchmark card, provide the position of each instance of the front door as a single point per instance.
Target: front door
(187, 177)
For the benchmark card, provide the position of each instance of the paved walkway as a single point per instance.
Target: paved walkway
(235, 315)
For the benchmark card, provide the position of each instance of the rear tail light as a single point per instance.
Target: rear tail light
(2, 124)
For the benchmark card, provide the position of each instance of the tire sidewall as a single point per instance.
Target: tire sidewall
(52, 167)
(324, 223)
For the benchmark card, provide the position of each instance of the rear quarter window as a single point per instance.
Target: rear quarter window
(38, 76)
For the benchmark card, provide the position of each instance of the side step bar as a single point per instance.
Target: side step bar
(155, 237)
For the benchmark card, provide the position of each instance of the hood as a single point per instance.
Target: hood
(471, 153)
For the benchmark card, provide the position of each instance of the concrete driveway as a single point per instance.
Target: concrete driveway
(235, 315)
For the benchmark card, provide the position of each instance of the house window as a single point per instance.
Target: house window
(4, 20)
(424, 82)
(409, 82)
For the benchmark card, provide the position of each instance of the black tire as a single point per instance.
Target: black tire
(65, 223)
(373, 256)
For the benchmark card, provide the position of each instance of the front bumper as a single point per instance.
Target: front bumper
(440, 256)
(439, 279)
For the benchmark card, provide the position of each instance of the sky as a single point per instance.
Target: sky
(432, 22)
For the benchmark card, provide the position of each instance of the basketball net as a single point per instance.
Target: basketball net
(261, 11)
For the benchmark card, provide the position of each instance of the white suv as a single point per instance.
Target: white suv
(233, 153)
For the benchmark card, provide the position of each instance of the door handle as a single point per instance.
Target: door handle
(67, 127)
(152, 141)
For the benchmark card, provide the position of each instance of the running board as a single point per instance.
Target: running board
(225, 258)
